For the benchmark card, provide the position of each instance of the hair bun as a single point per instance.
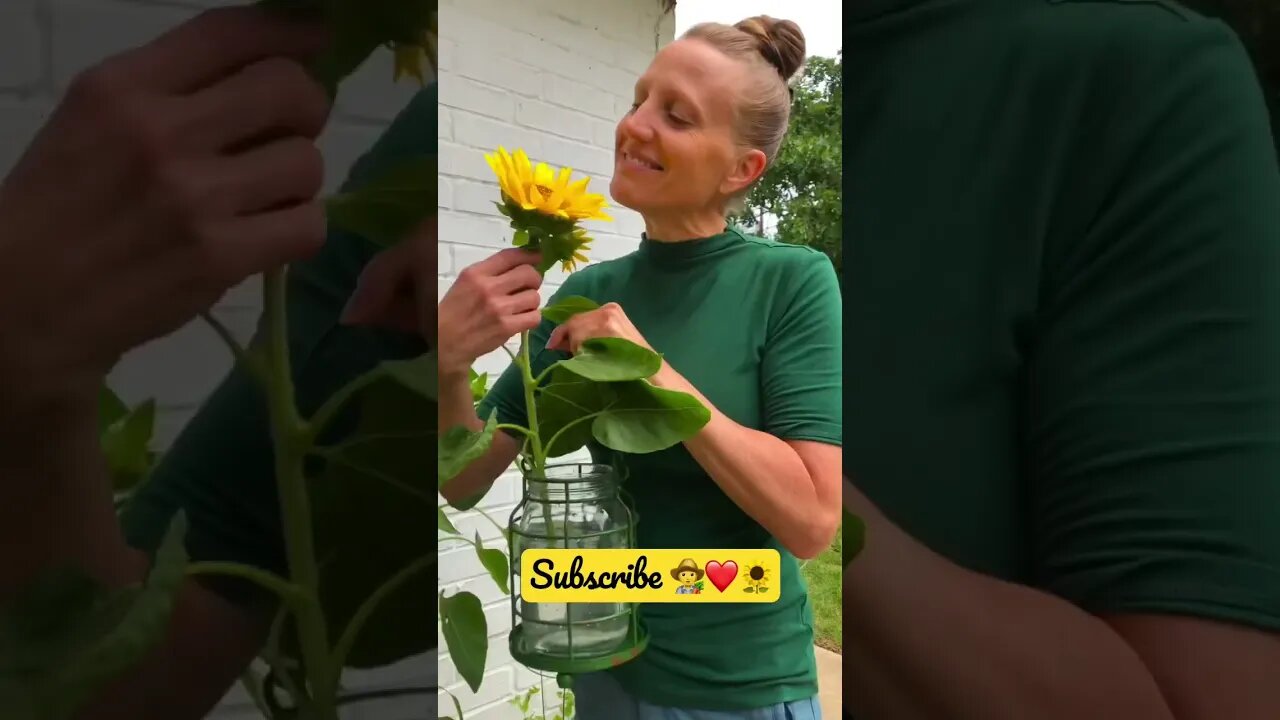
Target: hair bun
(780, 42)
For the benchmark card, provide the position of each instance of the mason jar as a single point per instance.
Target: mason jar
(575, 507)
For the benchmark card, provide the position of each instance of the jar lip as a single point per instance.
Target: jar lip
(577, 472)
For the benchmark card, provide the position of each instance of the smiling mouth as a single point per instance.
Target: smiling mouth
(640, 162)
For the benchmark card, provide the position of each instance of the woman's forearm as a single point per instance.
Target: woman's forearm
(762, 474)
(457, 408)
(949, 643)
(57, 505)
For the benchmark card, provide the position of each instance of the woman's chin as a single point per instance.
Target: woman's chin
(625, 194)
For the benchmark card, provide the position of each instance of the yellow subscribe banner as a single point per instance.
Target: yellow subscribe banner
(649, 576)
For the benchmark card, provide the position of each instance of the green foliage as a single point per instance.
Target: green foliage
(641, 418)
(126, 443)
(555, 237)
(459, 447)
(359, 28)
(802, 187)
(605, 388)
(389, 208)
(612, 360)
(524, 703)
(465, 631)
(66, 637)
(479, 385)
(567, 307)
(368, 506)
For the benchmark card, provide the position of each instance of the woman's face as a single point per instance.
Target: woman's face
(675, 150)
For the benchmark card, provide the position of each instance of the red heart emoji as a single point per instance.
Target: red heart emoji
(721, 575)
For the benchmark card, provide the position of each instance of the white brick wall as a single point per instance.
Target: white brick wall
(551, 77)
(43, 44)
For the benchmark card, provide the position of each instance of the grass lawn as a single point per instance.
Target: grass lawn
(823, 577)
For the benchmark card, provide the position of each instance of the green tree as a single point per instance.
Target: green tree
(801, 192)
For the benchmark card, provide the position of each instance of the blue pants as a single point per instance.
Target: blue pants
(597, 696)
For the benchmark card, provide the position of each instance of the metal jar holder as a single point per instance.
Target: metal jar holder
(557, 511)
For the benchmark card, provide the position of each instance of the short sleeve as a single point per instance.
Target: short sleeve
(1153, 405)
(801, 370)
(220, 467)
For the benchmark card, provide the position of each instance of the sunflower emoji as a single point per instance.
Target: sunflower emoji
(757, 578)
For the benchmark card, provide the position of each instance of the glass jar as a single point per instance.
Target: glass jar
(575, 507)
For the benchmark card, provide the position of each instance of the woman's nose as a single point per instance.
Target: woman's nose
(636, 126)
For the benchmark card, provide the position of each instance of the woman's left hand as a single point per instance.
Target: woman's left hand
(608, 320)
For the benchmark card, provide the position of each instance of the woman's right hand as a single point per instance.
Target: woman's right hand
(167, 175)
(487, 304)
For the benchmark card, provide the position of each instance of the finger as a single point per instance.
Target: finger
(523, 302)
(557, 339)
(528, 321)
(284, 172)
(517, 279)
(505, 260)
(384, 292)
(244, 246)
(275, 95)
(216, 43)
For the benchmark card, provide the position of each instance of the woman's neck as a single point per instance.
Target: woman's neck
(683, 227)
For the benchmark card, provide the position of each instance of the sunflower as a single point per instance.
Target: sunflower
(545, 207)
(757, 578)
(541, 189)
(410, 56)
(409, 61)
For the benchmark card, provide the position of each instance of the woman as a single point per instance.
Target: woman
(751, 327)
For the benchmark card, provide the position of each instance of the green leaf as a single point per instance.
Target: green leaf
(611, 359)
(110, 408)
(561, 402)
(465, 631)
(641, 418)
(66, 637)
(855, 537)
(521, 238)
(495, 562)
(567, 307)
(479, 385)
(369, 497)
(391, 207)
(443, 522)
(126, 443)
(419, 375)
(358, 29)
(460, 446)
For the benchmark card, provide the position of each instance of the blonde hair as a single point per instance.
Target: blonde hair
(774, 51)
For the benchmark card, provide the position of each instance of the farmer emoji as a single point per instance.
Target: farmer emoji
(687, 574)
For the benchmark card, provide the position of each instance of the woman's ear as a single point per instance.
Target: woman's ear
(750, 166)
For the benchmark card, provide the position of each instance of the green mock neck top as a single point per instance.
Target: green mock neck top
(754, 325)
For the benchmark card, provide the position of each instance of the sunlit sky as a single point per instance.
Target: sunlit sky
(820, 20)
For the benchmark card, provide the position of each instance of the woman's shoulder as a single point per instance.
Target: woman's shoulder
(785, 256)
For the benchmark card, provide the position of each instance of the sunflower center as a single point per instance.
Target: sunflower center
(757, 572)
(544, 191)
